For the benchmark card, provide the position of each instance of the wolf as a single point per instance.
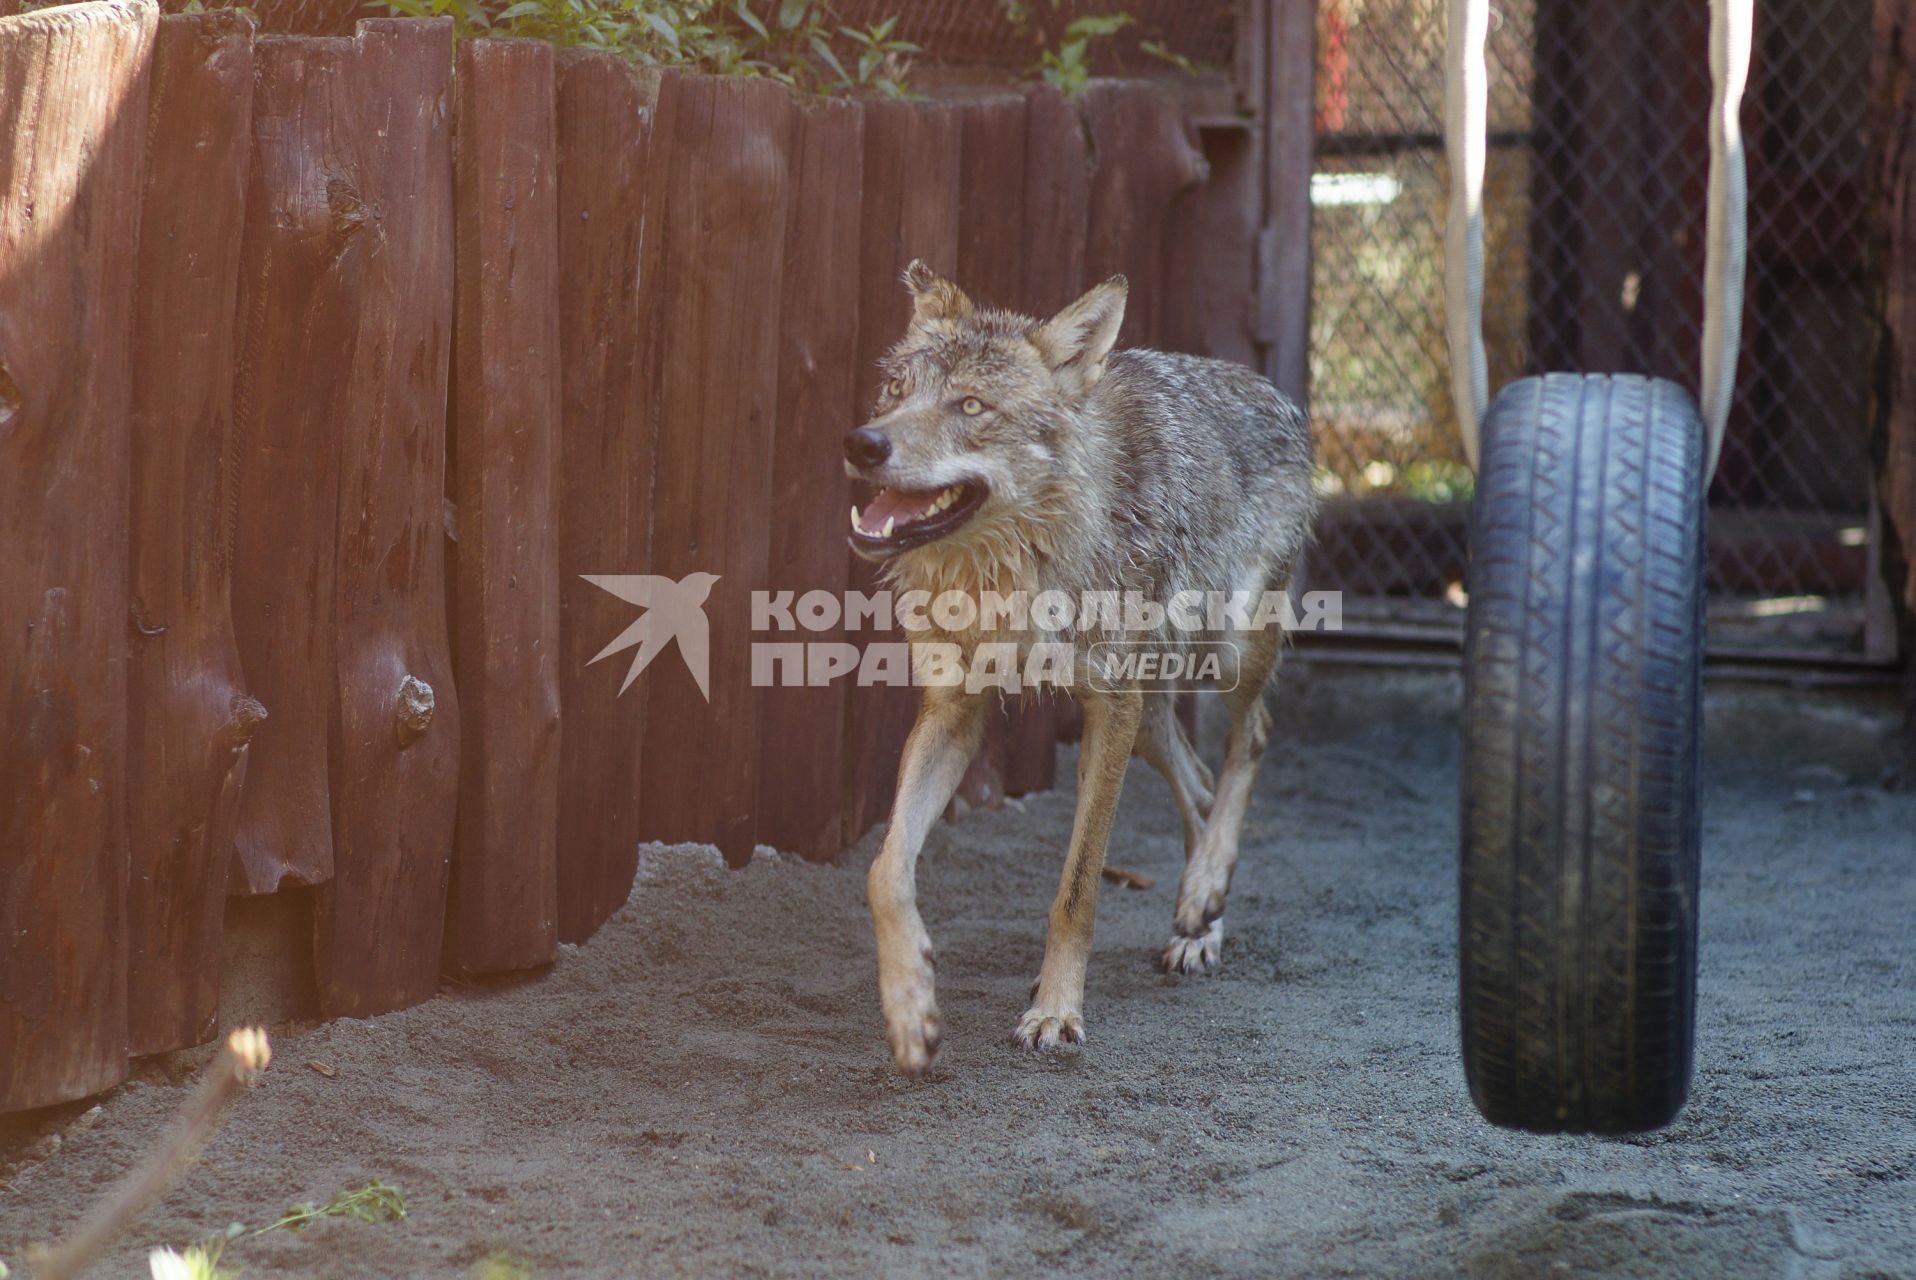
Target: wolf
(1020, 456)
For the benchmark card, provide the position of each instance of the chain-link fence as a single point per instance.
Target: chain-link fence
(1594, 262)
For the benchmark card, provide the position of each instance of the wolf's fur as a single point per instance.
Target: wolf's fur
(1106, 471)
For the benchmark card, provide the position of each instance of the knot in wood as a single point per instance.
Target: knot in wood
(415, 707)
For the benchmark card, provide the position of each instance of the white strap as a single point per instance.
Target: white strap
(1730, 27)
(1465, 124)
(1466, 117)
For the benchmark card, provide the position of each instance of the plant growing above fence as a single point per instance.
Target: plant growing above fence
(1068, 67)
(796, 42)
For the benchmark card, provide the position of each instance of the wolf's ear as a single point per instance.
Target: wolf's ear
(1075, 342)
(933, 297)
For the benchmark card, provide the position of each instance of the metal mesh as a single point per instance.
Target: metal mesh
(1594, 262)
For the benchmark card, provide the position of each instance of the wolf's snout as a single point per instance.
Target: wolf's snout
(866, 447)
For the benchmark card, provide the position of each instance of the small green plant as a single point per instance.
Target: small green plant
(883, 61)
(1068, 67)
(792, 41)
(1164, 53)
(198, 6)
(375, 1202)
(502, 1265)
(198, 1262)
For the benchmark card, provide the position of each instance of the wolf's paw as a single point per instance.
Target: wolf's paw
(1200, 901)
(914, 1038)
(1195, 955)
(1048, 1030)
(906, 985)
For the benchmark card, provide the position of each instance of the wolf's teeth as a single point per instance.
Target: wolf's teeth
(889, 522)
(854, 517)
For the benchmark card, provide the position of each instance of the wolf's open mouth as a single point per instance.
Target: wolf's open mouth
(899, 519)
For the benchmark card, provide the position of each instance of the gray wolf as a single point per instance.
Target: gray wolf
(1020, 456)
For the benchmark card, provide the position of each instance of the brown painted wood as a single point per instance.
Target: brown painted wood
(1211, 305)
(991, 259)
(299, 293)
(189, 718)
(1057, 215)
(912, 171)
(71, 161)
(504, 895)
(1147, 162)
(991, 200)
(1057, 205)
(1288, 64)
(715, 226)
(801, 730)
(378, 923)
(605, 476)
(1149, 167)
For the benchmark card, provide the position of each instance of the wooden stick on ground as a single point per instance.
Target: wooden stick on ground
(239, 1064)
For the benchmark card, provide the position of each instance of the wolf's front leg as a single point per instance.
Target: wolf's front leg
(1056, 1015)
(936, 756)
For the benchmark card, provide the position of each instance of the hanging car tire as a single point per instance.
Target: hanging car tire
(1582, 727)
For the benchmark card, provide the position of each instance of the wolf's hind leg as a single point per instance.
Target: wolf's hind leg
(936, 755)
(1198, 926)
(1056, 1015)
(1163, 746)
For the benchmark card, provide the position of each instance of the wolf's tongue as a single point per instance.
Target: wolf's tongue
(899, 506)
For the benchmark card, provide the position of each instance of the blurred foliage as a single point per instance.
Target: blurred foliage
(797, 42)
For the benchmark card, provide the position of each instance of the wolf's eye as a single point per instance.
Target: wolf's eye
(972, 406)
(895, 388)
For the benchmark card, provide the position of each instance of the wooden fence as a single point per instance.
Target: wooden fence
(327, 368)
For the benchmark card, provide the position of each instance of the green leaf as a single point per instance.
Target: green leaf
(867, 63)
(883, 29)
(792, 12)
(855, 34)
(830, 59)
(666, 31)
(750, 19)
(1100, 25)
(525, 8)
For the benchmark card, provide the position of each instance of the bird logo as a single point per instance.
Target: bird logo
(673, 611)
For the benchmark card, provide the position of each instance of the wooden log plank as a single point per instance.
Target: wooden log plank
(802, 760)
(189, 719)
(718, 207)
(1147, 161)
(912, 162)
(1057, 214)
(1148, 166)
(73, 110)
(991, 260)
(1211, 307)
(503, 905)
(299, 293)
(1287, 64)
(379, 922)
(605, 466)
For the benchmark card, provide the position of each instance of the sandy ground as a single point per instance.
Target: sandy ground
(704, 1088)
